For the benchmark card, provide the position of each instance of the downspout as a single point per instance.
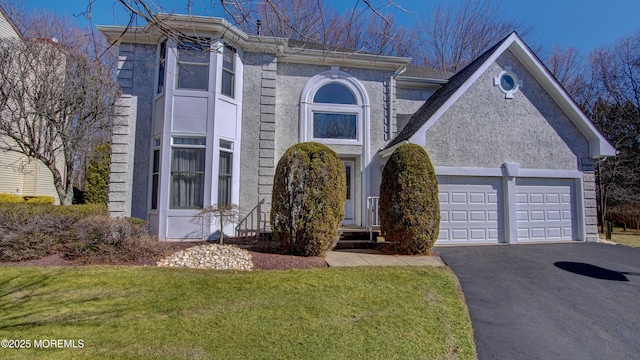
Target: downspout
(390, 104)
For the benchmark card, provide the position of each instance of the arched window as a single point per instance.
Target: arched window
(333, 110)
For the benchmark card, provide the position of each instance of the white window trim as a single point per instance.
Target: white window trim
(335, 109)
(308, 107)
(497, 81)
(206, 168)
(178, 68)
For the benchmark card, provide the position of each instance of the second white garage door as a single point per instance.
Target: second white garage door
(546, 209)
(470, 209)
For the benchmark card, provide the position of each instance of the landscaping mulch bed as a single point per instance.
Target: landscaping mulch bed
(263, 256)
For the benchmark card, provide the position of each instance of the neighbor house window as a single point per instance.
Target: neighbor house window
(228, 70)
(225, 170)
(187, 172)
(193, 66)
(155, 174)
(335, 113)
(162, 58)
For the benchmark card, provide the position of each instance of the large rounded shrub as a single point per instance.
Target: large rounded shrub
(309, 191)
(409, 206)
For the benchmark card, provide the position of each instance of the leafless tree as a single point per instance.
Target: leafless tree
(54, 103)
(222, 214)
(615, 109)
(455, 35)
(571, 70)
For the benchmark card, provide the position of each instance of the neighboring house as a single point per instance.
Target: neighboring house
(19, 174)
(513, 153)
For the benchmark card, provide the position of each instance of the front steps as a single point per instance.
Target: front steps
(350, 238)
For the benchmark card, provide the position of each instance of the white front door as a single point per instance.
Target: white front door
(349, 208)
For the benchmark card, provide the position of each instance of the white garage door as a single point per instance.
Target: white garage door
(545, 209)
(470, 209)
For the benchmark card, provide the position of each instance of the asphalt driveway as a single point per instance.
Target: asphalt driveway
(551, 301)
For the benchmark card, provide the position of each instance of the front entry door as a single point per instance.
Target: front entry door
(349, 208)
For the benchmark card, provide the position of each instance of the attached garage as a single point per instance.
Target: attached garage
(504, 209)
(546, 209)
(515, 164)
(470, 209)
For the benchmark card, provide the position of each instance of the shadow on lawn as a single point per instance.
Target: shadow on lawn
(28, 301)
(593, 271)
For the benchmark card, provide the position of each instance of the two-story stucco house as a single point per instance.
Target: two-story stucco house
(513, 153)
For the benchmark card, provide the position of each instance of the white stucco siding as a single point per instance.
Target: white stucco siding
(408, 101)
(483, 129)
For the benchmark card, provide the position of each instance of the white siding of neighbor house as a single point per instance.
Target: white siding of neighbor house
(6, 30)
(11, 179)
(18, 174)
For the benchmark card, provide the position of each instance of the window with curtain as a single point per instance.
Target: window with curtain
(187, 178)
(193, 66)
(225, 170)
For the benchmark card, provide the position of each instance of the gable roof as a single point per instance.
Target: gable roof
(446, 96)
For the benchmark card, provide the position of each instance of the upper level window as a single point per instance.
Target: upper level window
(507, 81)
(334, 94)
(193, 67)
(228, 70)
(162, 58)
(335, 113)
(334, 109)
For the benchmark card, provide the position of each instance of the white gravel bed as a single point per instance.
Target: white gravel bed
(214, 256)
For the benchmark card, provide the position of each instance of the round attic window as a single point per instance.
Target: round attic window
(507, 82)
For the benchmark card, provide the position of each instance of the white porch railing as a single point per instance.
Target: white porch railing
(373, 208)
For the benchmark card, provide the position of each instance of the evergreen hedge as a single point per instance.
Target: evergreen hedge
(97, 176)
(409, 206)
(309, 192)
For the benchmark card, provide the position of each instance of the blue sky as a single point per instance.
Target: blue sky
(584, 24)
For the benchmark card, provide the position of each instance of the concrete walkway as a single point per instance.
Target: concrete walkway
(365, 257)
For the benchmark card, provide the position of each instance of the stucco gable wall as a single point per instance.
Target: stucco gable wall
(483, 129)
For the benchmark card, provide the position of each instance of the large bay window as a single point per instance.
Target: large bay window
(187, 173)
(193, 67)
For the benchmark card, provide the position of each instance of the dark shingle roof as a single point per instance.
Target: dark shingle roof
(441, 96)
(426, 73)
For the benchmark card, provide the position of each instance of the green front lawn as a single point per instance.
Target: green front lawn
(628, 238)
(160, 313)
